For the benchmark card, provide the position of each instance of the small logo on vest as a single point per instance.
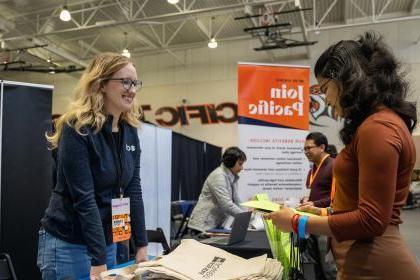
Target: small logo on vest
(129, 148)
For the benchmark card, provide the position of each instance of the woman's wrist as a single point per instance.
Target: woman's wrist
(330, 211)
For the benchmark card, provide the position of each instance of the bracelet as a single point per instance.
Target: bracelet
(324, 212)
(330, 211)
(303, 220)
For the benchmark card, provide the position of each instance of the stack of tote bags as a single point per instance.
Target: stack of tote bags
(192, 260)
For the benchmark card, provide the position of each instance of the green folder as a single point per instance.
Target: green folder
(279, 241)
(269, 206)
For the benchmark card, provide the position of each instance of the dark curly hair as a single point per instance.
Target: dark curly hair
(368, 75)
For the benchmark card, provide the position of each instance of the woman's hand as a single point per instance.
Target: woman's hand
(282, 219)
(141, 255)
(310, 203)
(95, 271)
(310, 209)
(304, 200)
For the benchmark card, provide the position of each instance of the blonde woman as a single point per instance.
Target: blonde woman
(98, 164)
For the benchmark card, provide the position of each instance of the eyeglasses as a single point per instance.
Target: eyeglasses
(127, 83)
(322, 89)
(308, 148)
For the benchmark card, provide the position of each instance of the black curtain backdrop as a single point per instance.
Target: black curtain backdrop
(213, 158)
(26, 178)
(192, 162)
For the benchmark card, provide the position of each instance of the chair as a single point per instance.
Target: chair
(153, 236)
(7, 272)
(158, 236)
(183, 208)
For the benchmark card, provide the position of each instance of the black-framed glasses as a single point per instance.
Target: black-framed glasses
(322, 89)
(308, 148)
(128, 83)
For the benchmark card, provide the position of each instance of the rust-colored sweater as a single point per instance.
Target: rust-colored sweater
(373, 176)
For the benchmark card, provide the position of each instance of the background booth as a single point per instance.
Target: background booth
(25, 176)
(173, 167)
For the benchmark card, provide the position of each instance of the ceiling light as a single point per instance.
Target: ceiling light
(65, 14)
(212, 44)
(126, 53)
(173, 2)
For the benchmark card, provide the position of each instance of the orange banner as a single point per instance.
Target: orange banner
(273, 95)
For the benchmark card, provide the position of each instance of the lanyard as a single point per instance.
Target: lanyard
(313, 176)
(333, 189)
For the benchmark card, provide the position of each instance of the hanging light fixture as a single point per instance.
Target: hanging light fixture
(212, 43)
(65, 14)
(173, 2)
(125, 51)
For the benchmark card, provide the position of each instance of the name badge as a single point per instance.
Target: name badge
(121, 222)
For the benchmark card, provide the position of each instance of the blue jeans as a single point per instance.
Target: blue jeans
(58, 259)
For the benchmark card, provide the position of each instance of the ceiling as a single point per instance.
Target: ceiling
(151, 26)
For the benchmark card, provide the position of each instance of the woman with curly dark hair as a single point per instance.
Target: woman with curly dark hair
(362, 81)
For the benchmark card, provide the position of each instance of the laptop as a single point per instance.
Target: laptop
(237, 233)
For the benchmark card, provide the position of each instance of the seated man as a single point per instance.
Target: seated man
(219, 197)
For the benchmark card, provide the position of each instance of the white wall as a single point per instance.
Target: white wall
(210, 75)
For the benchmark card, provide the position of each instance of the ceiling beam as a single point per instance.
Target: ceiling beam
(326, 13)
(203, 28)
(372, 2)
(140, 8)
(62, 53)
(178, 16)
(229, 17)
(346, 7)
(301, 17)
(144, 52)
(384, 8)
(412, 5)
(363, 13)
(174, 34)
(92, 14)
(90, 47)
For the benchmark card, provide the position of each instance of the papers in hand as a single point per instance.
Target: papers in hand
(269, 206)
(262, 205)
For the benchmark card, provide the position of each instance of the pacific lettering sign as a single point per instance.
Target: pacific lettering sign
(226, 112)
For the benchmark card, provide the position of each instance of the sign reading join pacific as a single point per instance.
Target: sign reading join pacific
(273, 121)
(270, 107)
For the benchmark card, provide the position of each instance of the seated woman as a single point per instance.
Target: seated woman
(219, 196)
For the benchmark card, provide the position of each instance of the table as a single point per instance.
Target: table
(255, 244)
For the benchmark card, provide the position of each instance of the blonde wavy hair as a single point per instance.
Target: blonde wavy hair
(87, 109)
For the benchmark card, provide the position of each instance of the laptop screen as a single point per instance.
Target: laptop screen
(240, 227)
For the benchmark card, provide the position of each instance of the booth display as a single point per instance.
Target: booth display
(25, 176)
(273, 120)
